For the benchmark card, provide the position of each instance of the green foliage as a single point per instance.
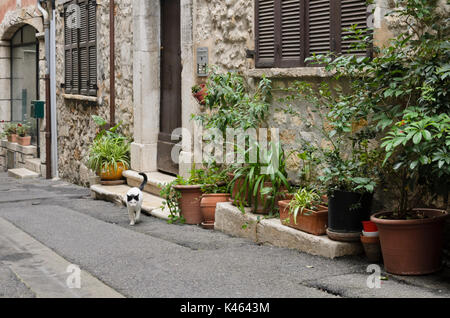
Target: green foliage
(9, 129)
(402, 95)
(108, 149)
(269, 166)
(23, 129)
(230, 103)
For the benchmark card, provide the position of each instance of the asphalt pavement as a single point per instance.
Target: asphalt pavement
(159, 260)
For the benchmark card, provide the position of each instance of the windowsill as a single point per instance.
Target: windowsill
(292, 72)
(81, 98)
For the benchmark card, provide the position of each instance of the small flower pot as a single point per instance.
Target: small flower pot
(208, 207)
(24, 141)
(189, 203)
(369, 226)
(12, 138)
(310, 221)
(111, 174)
(372, 248)
(200, 95)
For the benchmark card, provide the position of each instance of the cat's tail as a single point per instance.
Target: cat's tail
(144, 182)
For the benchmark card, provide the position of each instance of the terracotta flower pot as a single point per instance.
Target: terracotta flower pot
(208, 207)
(262, 206)
(24, 141)
(236, 188)
(313, 222)
(12, 138)
(372, 248)
(111, 174)
(412, 247)
(200, 95)
(189, 203)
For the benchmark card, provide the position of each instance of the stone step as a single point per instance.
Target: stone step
(155, 180)
(33, 165)
(116, 194)
(230, 220)
(22, 173)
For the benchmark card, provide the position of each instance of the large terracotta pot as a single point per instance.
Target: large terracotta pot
(313, 222)
(208, 207)
(110, 174)
(189, 203)
(262, 205)
(24, 141)
(412, 247)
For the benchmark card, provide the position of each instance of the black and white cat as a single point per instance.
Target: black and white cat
(134, 200)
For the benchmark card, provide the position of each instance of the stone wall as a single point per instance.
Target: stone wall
(76, 128)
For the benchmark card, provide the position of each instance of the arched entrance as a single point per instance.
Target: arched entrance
(25, 77)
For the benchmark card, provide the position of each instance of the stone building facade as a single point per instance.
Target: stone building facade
(16, 16)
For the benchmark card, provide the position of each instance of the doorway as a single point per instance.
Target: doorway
(170, 107)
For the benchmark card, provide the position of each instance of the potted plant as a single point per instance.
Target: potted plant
(403, 93)
(10, 132)
(214, 191)
(200, 92)
(109, 153)
(23, 137)
(263, 183)
(304, 212)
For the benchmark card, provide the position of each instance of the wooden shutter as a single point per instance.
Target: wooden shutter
(352, 12)
(81, 53)
(319, 26)
(265, 33)
(292, 33)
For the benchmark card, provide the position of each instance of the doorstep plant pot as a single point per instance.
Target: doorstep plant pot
(310, 221)
(12, 138)
(24, 141)
(346, 211)
(189, 203)
(111, 174)
(372, 248)
(412, 247)
(208, 205)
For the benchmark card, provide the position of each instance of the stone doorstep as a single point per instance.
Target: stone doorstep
(155, 179)
(26, 150)
(230, 220)
(116, 194)
(33, 164)
(22, 173)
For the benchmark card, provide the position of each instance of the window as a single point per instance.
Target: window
(288, 31)
(80, 45)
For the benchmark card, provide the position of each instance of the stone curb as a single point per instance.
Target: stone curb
(230, 220)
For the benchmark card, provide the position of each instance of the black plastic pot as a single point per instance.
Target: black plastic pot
(347, 210)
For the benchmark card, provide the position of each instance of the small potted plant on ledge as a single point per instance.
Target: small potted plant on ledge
(23, 137)
(304, 212)
(10, 132)
(109, 154)
(199, 92)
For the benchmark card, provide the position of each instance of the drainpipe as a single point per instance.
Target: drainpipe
(112, 67)
(48, 132)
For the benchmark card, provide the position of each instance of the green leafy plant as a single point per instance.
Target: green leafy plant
(269, 166)
(230, 102)
(402, 93)
(109, 148)
(9, 129)
(302, 200)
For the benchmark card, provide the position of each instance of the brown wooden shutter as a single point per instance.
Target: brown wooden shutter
(352, 12)
(265, 33)
(292, 33)
(81, 53)
(319, 26)
(92, 47)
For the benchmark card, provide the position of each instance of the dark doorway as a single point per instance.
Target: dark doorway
(170, 115)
